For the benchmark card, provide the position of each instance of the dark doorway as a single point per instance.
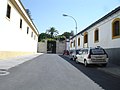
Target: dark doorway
(51, 46)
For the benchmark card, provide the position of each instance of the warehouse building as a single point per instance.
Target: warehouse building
(18, 34)
(105, 32)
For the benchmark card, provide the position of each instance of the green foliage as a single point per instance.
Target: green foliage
(66, 34)
(50, 39)
(60, 37)
(52, 32)
(43, 36)
(29, 13)
(51, 35)
(43, 40)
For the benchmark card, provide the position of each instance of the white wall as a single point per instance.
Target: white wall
(67, 44)
(105, 35)
(12, 38)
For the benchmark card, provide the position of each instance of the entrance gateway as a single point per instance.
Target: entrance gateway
(51, 46)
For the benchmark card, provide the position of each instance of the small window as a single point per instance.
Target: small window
(20, 23)
(85, 38)
(8, 11)
(34, 37)
(71, 44)
(74, 43)
(96, 35)
(31, 34)
(116, 28)
(27, 30)
(78, 41)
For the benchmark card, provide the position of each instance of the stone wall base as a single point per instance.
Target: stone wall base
(114, 55)
(11, 54)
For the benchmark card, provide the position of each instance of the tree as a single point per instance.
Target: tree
(66, 34)
(29, 13)
(72, 33)
(43, 36)
(52, 31)
(60, 37)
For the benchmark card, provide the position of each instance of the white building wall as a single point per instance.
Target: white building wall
(110, 44)
(67, 45)
(12, 38)
(73, 47)
(81, 42)
(105, 34)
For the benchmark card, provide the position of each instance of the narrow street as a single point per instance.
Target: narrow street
(54, 72)
(106, 80)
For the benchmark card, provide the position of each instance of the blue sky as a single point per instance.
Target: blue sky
(48, 13)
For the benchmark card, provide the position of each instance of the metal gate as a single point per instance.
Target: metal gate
(51, 46)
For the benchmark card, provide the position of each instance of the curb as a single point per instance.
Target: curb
(12, 62)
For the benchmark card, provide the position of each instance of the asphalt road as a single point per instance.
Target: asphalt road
(106, 80)
(53, 72)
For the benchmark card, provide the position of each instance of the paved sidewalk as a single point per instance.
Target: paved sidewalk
(6, 64)
(110, 68)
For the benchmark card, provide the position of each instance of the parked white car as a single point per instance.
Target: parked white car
(92, 56)
(73, 55)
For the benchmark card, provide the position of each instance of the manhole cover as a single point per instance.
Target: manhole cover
(3, 72)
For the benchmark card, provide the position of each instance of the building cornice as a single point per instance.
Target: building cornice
(98, 21)
(25, 15)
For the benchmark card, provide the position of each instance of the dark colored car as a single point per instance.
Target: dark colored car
(65, 52)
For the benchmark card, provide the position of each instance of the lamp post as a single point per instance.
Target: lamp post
(65, 15)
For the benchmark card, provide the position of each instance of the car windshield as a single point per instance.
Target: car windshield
(77, 52)
(97, 51)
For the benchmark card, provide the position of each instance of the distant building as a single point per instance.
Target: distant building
(105, 33)
(67, 45)
(18, 34)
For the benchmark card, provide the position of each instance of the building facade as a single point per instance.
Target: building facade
(18, 34)
(105, 33)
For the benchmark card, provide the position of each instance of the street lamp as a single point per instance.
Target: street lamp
(65, 15)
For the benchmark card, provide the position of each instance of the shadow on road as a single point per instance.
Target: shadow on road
(105, 80)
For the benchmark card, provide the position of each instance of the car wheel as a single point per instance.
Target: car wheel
(85, 63)
(73, 58)
(76, 61)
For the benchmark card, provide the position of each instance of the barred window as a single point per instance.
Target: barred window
(78, 41)
(8, 11)
(27, 30)
(96, 35)
(116, 28)
(31, 34)
(20, 23)
(86, 38)
(74, 43)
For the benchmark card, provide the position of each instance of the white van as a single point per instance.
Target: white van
(92, 56)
